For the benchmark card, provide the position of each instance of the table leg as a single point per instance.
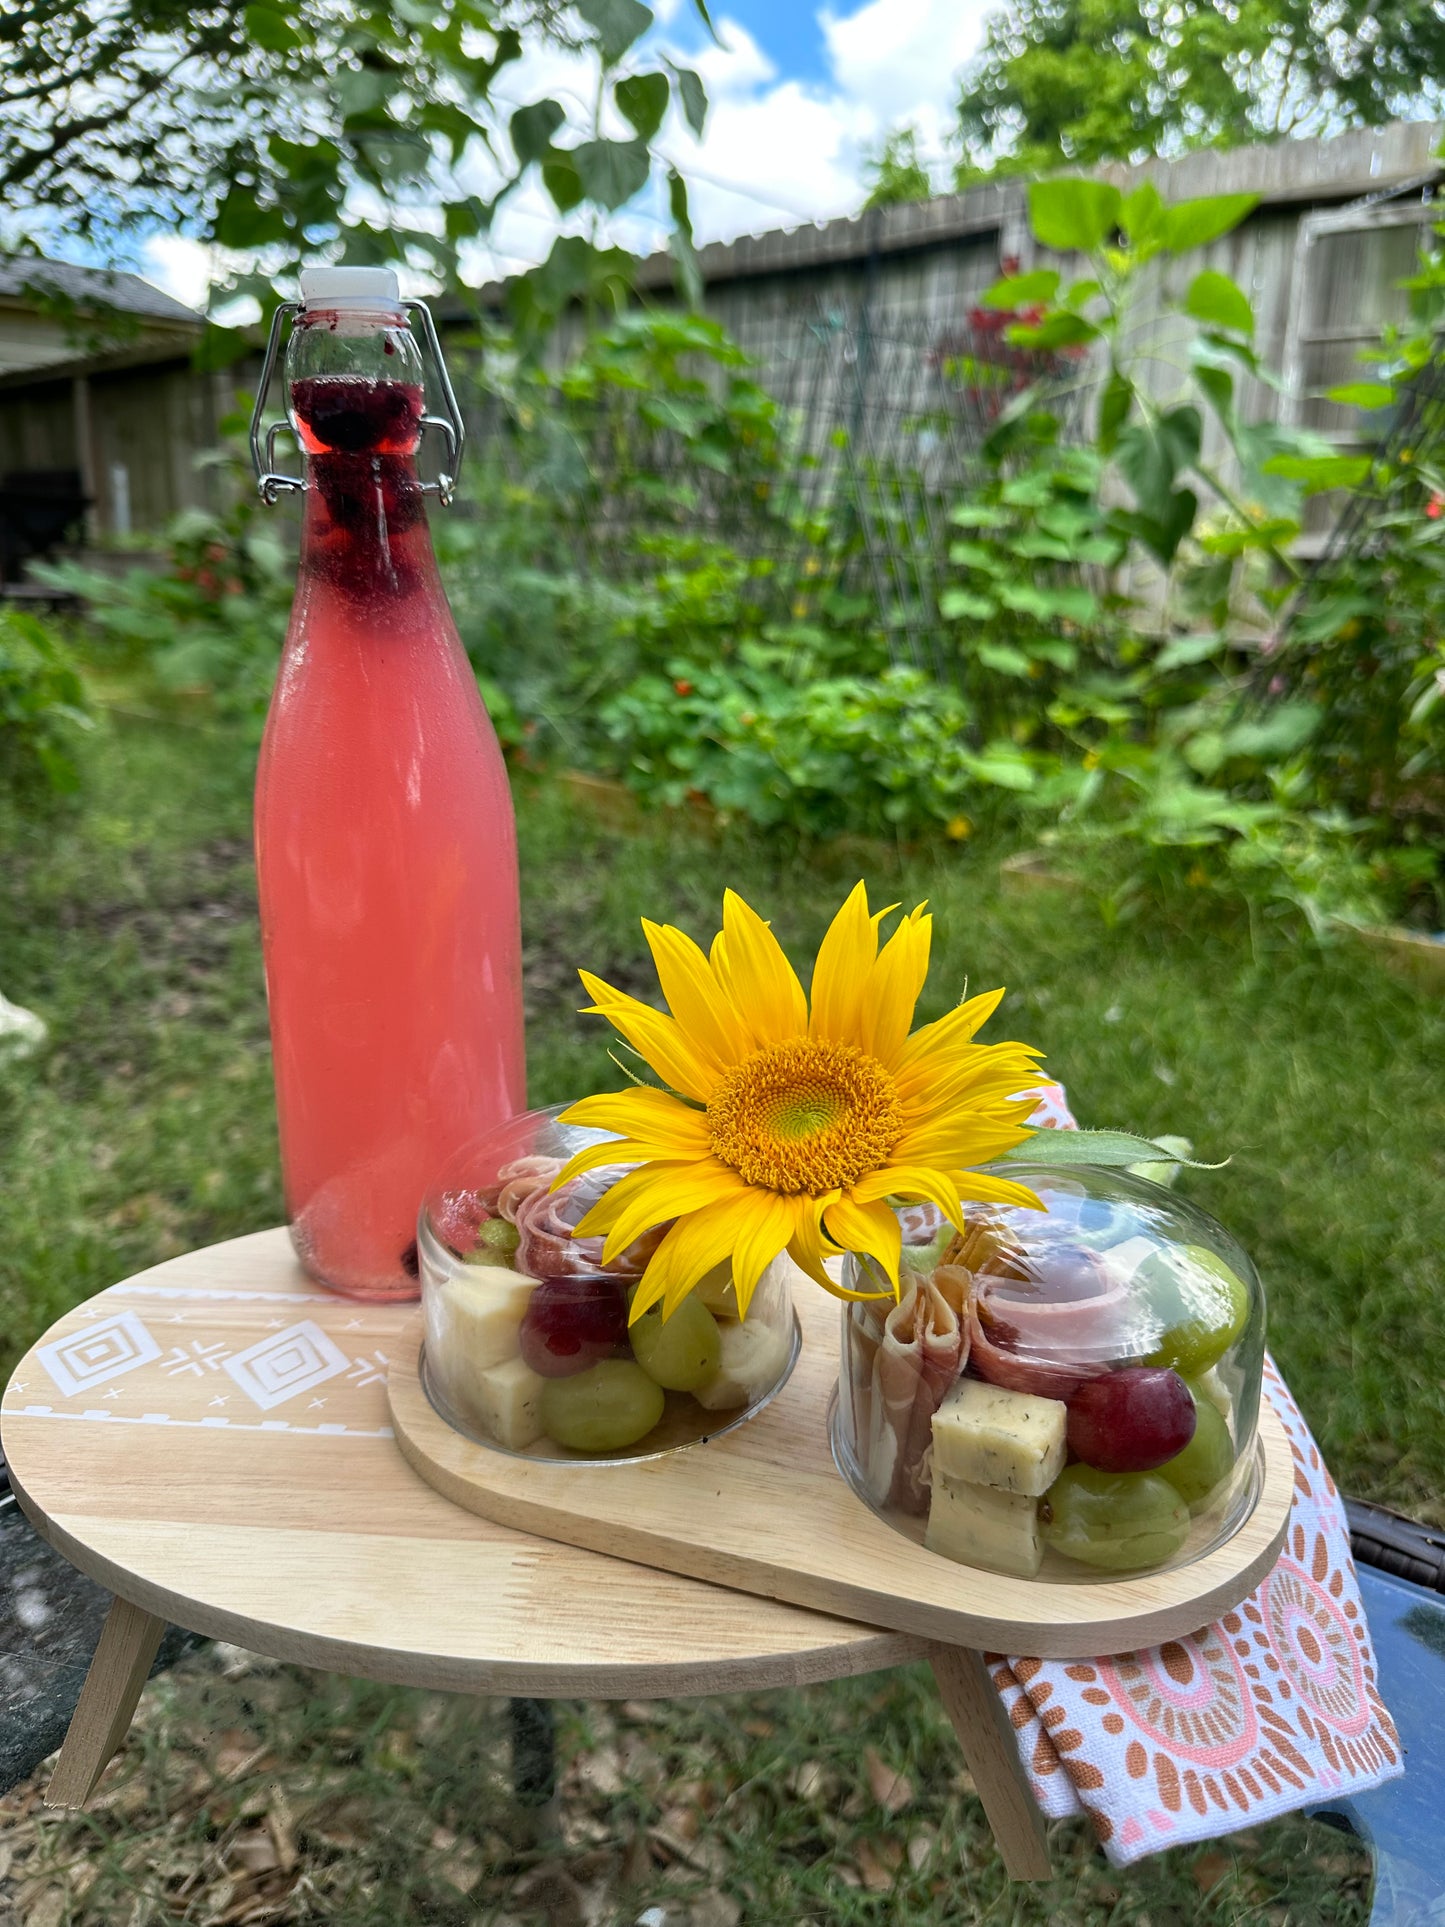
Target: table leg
(122, 1662)
(991, 1750)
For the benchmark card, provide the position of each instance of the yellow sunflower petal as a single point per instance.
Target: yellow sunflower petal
(761, 983)
(842, 972)
(947, 1032)
(808, 1247)
(912, 1181)
(770, 1226)
(619, 1150)
(975, 1078)
(653, 1194)
(894, 989)
(870, 1228)
(658, 1039)
(987, 1189)
(646, 1113)
(689, 1251)
(709, 1021)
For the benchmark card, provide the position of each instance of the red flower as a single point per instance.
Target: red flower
(1435, 507)
(683, 686)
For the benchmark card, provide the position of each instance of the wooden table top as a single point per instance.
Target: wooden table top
(210, 1441)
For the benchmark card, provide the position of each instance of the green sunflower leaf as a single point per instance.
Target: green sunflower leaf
(1101, 1148)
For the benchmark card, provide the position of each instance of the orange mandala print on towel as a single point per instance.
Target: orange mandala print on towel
(1190, 1696)
(1317, 1643)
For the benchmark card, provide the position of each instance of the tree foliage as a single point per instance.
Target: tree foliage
(1082, 81)
(353, 130)
(897, 173)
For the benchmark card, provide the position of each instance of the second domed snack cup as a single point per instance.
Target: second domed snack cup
(1058, 1394)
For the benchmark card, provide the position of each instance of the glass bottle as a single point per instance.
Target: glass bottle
(385, 839)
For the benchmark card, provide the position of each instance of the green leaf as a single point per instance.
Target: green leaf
(1058, 330)
(1182, 652)
(1320, 471)
(612, 171)
(1362, 394)
(980, 515)
(1222, 303)
(1275, 532)
(563, 182)
(1193, 224)
(1023, 290)
(617, 22)
(1155, 449)
(271, 30)
(1161, 533)
(1072, 213)
(693, 95)
(532, 128)
(1101, 1148)
(1142, 216)
(1002, 764)
(957, 604)
(1114, 405)
(1071, 601)
(643, 99)
(683, 250)
(1003, 657)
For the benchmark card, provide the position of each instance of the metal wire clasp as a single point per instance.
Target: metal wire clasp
(271, 481)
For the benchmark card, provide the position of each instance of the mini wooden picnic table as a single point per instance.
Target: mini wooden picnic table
(209, 1440)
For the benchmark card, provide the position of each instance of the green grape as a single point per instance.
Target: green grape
(612, 1404)
(1206, 1461)
(1207, 1305)
(680, 1353)
(1118, 1520)
(496, 1239)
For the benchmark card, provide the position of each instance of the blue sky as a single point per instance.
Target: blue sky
(788, 32)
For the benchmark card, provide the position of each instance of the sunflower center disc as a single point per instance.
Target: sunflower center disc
(805, 1117)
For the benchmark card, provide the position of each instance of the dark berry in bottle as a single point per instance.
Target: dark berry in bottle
(572, 1323)
(1131, 1420)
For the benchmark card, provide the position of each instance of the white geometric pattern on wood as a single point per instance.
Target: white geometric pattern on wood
(282, 1367)
(82, 1360)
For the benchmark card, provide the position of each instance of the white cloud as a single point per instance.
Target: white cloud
(180, 267)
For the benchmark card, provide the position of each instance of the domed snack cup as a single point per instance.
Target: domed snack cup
(1058, 1394)
(528, 1346)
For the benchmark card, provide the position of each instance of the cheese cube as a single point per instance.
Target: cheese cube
(472, 1322)
(986, 1435)
(508, 1401)
(753, 1355)
(982, 1526)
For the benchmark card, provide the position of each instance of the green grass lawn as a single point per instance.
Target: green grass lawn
(146, 1128)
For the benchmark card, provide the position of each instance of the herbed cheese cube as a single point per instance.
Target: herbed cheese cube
(981, 1526)
(987, 1435)
(508, 1401)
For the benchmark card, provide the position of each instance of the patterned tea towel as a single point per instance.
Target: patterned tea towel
(1273, 1707)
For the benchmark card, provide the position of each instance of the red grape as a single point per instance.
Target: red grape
(1131, 1420)
(572, 1323)
(458, 1218)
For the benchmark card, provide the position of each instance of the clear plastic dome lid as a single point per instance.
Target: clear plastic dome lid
(530, 1346)
(1061, 1391)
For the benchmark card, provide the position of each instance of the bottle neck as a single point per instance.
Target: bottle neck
(365, 531)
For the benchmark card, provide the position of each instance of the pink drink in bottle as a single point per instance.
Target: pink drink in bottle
(385, 841)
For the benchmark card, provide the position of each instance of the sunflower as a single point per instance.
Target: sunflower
(790, 1128)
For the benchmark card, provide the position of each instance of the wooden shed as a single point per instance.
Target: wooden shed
(100, 405)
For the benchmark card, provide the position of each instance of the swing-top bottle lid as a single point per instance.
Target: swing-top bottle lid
(354, 288)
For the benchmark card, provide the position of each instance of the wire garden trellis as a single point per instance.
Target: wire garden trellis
(841, 499)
